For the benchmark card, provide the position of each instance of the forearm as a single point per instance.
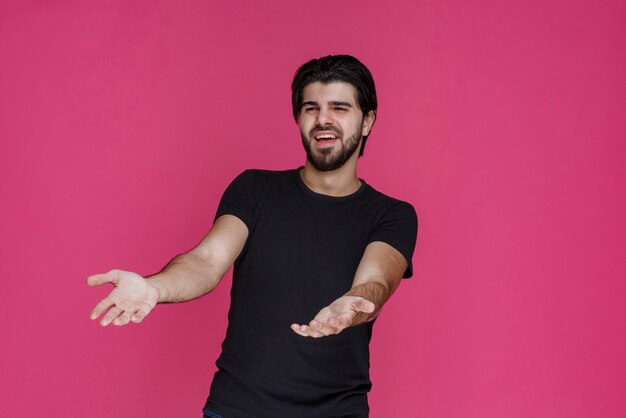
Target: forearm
(186, 277)
(198, 271)
(376, 278)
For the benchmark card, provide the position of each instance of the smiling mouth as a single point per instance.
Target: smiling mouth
(325, 136)
(324, 140)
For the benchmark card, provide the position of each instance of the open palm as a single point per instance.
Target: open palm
(335, 317)
(131, 299)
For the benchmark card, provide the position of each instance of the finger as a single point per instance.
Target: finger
(296, 329)
(340, 322)
(113, 313)
(99, 279)
(324, 329)
(364, 305)
(138, 316)
(102, 306)
(302, 330)
(123, 319)
(310, 332)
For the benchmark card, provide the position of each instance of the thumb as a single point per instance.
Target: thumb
(364, 305)
(102, 278)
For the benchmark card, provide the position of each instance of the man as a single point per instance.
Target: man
(317, 252)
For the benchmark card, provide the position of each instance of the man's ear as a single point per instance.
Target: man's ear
(368, 122)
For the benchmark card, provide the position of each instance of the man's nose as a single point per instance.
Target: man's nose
(324, 117)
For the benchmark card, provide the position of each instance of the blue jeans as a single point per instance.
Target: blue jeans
(209, 414)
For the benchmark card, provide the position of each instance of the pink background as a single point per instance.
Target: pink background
(121, 123)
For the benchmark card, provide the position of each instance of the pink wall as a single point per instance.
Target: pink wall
(502, 122)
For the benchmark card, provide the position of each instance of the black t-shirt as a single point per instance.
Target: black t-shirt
(302, 253)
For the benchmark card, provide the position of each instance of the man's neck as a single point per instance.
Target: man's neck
(340, 182)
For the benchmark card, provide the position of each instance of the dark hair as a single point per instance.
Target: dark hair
(336, 68)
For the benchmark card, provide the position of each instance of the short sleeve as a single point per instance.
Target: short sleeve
(398, 228)
(239, 199)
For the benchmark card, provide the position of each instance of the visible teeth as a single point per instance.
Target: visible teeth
(326, 136)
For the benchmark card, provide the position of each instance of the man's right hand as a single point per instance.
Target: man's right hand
(132, 298)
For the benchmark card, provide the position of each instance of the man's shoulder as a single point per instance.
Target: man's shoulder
(257, 180)
(385, 199)
(259, 177)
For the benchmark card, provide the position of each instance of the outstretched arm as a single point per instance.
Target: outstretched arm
(377, 276)
(186, 277)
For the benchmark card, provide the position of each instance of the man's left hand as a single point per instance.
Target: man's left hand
(336, 317)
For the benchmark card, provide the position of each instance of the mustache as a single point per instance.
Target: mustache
(325, 128)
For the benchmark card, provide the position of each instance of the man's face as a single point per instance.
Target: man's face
(331, 124)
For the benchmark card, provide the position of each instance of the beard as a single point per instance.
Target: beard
(331, 158)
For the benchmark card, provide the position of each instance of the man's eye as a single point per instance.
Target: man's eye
(340, 109)
(310, 109)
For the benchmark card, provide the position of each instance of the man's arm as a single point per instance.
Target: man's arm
(186, 277)
(378, 275)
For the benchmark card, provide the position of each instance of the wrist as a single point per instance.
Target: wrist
(155, 283)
